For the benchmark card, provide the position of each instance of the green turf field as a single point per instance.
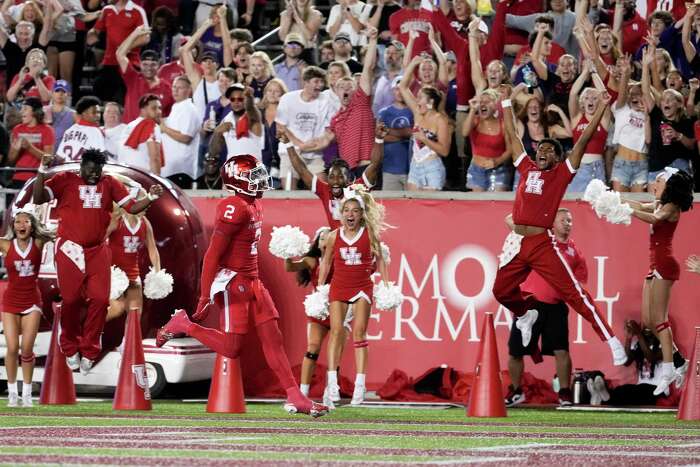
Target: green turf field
(175, 433)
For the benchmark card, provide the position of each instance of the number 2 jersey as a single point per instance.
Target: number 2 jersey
(240, 218)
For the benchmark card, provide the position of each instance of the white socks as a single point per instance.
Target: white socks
(304, 388)
(26, 390)
(12, 387)
(360, 379)
(332, 378)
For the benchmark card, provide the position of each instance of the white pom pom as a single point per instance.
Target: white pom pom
(316, 303)
(594, 189)
(120, 282)
(386, 253)
(620, 214)
(605, 202)
(387, 297)
(157, 284)
(288, 242)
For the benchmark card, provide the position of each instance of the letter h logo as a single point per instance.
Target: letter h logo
(351, 256)
(91, 198)
(534, 184)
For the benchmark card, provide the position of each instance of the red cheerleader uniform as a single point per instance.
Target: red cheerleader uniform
(126, 243)
(22, 294)
(662, 263)
(352, 268)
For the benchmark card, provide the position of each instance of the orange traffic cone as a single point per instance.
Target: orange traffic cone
(133, 391)
(486, 399)
(57, 388)
(689, 408)
(226, 391)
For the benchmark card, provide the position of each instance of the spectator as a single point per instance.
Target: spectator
(564, 22)
(204, 11)
(407, 19)
(242, 129)
(216, 111)
(291, 68)
(534, 125)
(30, 140)
(303, 114)
(241, 61)
(261, 72)
(211, 177)
(274, 91)
(239, 36)
(165, 38)
(658, 21)
(302, 18)
(214, 36)
(145, 82)
(496, 71)
(431, 136)
(326, 52)
(16, 52)
(117, 21)
(141, 139)
(171, 70)
(398, 119)
(58, 114)
(62, 49)
(85, 133)
(180, 136)
(385, 93)
(33, 80)
(203, 78)
(349, 17)
(379, 18)
(342, 51)
(113, 127)
(545, 23)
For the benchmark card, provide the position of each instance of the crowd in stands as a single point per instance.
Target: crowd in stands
(173, 87)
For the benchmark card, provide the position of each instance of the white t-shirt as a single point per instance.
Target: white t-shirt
(213, 94)
(359, 11)
(137, 157)
(629, 128)
(333, 102)
(180, 157)
(306, 120)
(250, 144)
(113, 137)
(78, 138)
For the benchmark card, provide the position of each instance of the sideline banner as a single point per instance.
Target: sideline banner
(444, 257)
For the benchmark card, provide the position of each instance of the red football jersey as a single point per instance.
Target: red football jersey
(126, 243)
(352, 261)
(242, 219)
(540, 192)
(84, 211)
(22, 272)
(331, 205)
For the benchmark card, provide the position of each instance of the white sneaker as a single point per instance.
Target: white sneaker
(667, 378)
(358, 395)
(680, 374)
(27, 400)
(73, 361)
(618, 351)
(13, 399)
(601, 389)
(524, 323)
(333, 392)
(327, 400)
(86, 366)
(595, 396)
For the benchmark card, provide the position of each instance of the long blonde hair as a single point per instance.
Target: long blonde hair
(373, 216)
(39, 230)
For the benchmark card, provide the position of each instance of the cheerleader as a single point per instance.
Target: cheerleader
(351, 251)
(21, 311)
(674, 195)
(127, 235)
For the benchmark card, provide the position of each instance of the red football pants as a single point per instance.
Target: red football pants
(77, 287)
(540, 253)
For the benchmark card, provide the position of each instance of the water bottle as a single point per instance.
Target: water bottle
(492, 181)
(555, 384)
(579, 385)
(529, 77)
(212, 118)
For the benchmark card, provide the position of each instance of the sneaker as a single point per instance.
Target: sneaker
(27, 400)
(601, 388)
(524, 323)
(358, 395)
(327, 400)
(73, 361)
(333, 392)
(596, 398)
(178, 324)
(667, 378)
(86, 366)
(514, 396)
(13, 399)
(680, 374)
(566, 398)
(311, 408)
(618, 351)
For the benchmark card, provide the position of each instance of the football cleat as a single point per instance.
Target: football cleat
(13, 399)
(73, 361)
(680, 374)
(566, 398)
(514, 396)
(524, 323)
(178, 325)
(358, 395)
(86, 365)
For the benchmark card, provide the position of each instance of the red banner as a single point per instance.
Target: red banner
(444, 257)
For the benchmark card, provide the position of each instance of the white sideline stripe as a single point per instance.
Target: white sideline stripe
(470, 460)
(511, 447)
(669, 455)
(601, 408)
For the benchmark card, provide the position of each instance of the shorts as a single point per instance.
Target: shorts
(245, 297)
(394, 182)
(315, 166)
(586, 172)
(428, 174)
(682, 164)
(67, 46)
(628, 173)
(552, 324)
(666, 268)
(500, 177)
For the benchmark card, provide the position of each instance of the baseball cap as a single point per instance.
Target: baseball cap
(294, 38)
(62, 85)
(483, 27)
(150, 55)
(342, 36)
(234, 87)
(395, 82)
(208, 55)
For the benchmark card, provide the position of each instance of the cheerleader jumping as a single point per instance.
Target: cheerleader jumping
(21, 312)
(674, 195)
(351, 251)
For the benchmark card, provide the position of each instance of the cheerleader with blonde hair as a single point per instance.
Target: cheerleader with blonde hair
(353, 251)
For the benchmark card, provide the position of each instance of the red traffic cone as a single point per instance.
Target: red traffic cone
(133, 391)
(486, 399)
(226, 391)
(57, 388)
(689, 408)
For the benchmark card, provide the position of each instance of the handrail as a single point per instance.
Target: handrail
(264, 38)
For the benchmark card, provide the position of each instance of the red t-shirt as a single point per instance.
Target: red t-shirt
(29, 88)
(540, 192)
(118, 25)
(40, 136)
(353, 127)
(84, 211)
(405, 20)
(137, 86)
(460, 27)
(241, 220)
(675, 7)
(170, 71)
(331, 205)
(554, 55)
(535, 284)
